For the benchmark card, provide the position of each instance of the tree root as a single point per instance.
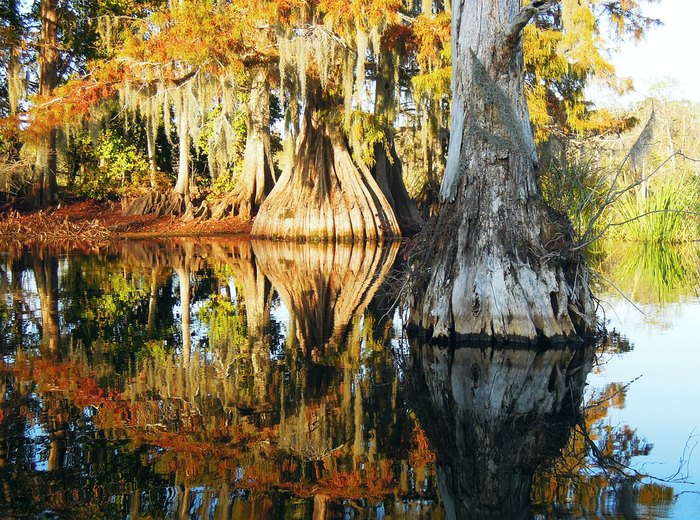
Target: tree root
(160, 204)
(230, 205)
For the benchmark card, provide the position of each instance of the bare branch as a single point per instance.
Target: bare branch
(512, 34)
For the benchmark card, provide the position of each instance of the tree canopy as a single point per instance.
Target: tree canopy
(186, 81)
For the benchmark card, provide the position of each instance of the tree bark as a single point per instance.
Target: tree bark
(45, 167)
(323, 195)
(182, 184)
(498, 262)
(257, 179)
(151, 134)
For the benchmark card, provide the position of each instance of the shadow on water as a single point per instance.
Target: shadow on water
(228, 379)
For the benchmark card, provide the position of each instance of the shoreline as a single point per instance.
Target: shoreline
(89, 221)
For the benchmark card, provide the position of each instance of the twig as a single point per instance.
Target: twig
(622, 294)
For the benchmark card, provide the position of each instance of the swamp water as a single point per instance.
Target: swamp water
(230, 379)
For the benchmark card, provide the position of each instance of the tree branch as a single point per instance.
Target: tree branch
(513, 33)
(525, 15)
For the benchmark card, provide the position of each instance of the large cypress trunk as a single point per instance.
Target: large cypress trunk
(497, 261)
(324, 195)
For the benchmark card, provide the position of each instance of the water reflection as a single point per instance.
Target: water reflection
(493, 416)
(651, 274)
(205, 379)
(197, 379)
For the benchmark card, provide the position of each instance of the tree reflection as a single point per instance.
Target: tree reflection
(147, 414)
(229, 379)
(45, 266)
(493, 415)
(595, 468)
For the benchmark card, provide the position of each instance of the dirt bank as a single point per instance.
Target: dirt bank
(88, 220)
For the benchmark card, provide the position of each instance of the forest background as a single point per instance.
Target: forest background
(210, 110)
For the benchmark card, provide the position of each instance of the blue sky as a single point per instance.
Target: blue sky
(669, 55)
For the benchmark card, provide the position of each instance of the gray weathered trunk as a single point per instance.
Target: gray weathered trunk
(497, 261)
(493, 416)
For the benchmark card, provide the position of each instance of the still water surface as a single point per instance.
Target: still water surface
(220, 379)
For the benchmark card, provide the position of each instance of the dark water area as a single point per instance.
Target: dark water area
(230, 379)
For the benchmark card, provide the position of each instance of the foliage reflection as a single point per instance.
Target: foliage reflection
(229, 379)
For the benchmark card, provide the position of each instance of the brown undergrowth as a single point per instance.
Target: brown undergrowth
(88, 221)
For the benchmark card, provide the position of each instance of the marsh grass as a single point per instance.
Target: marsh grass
(576, 188)
(605, 202)
(668, 213)
(650, 273)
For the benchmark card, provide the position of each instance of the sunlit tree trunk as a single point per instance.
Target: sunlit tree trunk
(497, 263)
(151, 151)
(256, 180)
(324, 194)
(182, 184)
(177, 201)
(44, 184)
